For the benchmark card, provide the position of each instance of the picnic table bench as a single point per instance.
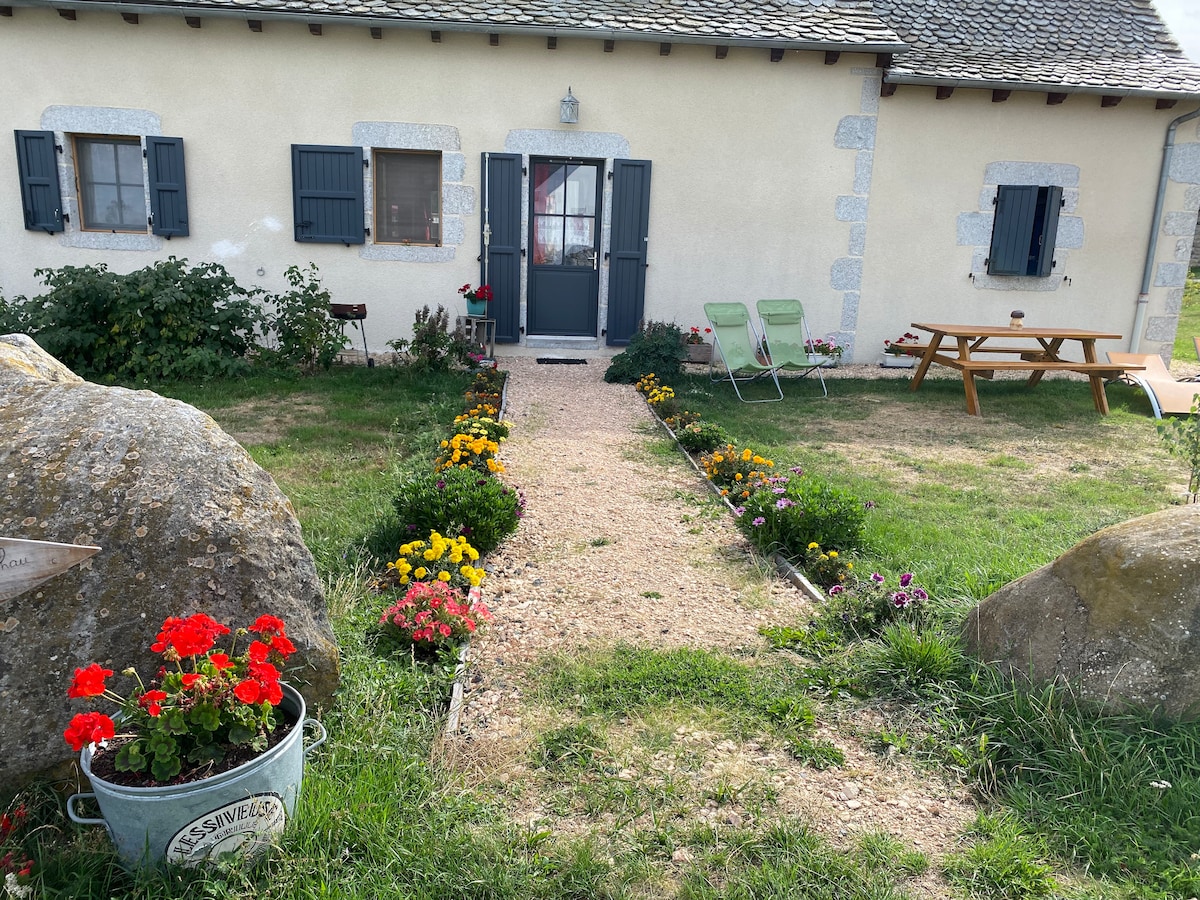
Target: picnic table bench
(1037, 360)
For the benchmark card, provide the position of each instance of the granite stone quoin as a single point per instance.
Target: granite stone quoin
(186, 523)
(1117, 617)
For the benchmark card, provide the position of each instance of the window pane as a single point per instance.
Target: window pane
(580, 242)
(547, 241)
(408, 198)
(129, 163)
(581, 191)
(548, 188)
(112, 186)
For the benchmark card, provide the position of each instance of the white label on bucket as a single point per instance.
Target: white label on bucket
(244, 827)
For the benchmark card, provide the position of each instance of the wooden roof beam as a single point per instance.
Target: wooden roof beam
(1055, 99)
(314, 29)
(552, 42)
(493, 39)
(1164, 103)
(192, 21)
(664, 49)
(886, 89)
(1000, 96)
(6, 11)
(776, 54)
(254, 25)
(1108, 101)
(68, 14)
(722, 51)
(609, 45)
(832, 56)
(131, 18)
(435, 36)
(944, 93)
(376, 34)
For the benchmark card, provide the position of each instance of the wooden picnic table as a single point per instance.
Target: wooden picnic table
(1037, 351)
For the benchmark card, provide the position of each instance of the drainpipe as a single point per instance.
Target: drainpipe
(487, 215)
(1139, 315)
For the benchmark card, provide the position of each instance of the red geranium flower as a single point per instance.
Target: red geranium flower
(151, 701)
(89, 682)
(189, 637)
(268, 625)
(88, 728)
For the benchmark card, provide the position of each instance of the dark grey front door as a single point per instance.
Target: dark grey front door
(564, 233)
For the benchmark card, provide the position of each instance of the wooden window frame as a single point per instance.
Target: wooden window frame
(80, 192)
(379, 215)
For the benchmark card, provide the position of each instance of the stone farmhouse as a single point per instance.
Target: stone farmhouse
(601, 162)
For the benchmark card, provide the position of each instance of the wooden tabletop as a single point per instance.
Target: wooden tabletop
(970, 331)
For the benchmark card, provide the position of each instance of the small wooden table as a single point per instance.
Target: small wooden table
(1039, 353)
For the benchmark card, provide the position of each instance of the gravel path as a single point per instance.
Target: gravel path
(620, 545)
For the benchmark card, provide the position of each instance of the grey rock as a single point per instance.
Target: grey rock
(1117, 617)
(186, 523)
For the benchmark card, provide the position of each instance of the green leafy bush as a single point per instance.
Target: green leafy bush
(655, 347)
(298, 327)
(1182, 437)
(458, 502)
(432, 348)
(700, 437)
(14, 316)
(786, 515)
(165, 322)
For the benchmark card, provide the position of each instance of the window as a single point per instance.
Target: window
(408, 197)
(112, 193)
(113, 175)
(1024, 230)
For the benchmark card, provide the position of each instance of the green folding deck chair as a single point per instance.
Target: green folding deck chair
(786, 333)
(736, 341)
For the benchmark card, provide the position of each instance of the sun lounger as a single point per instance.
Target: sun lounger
(1165, 393)
(736, 342)
(785, 332)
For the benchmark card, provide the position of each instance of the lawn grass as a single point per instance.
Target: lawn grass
(967, 503)
(1189, 321)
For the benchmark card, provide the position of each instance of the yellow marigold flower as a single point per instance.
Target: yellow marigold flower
(404, 567)
(737, 476)
(849, 566)
(443, 575)
(813, 546)
(420, 573)
(404, 579)
(758, 460)
(833, 554)
(429, 554)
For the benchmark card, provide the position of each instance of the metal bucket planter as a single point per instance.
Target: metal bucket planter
(239, 811)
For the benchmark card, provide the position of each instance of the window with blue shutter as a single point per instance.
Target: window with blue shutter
(37, 167)
(1024, 230)
(168, 187)
(327, 194)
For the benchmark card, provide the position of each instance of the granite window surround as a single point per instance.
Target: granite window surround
(68, 122)
(974, 229)
(457, 200)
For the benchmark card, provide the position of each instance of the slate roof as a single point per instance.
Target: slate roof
(1102, 46)
(1097, 46)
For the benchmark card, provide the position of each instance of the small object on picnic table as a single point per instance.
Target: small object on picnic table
(1017, 319)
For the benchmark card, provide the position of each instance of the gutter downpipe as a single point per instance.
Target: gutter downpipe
(1143, 300)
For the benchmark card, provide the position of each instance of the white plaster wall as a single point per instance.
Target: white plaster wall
(929, 168)
(745, 176)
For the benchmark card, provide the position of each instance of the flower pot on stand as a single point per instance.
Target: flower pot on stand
(698, 353)
(476, 307)
(239, 811)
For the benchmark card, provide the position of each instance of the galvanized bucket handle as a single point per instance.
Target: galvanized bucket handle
(320, 730)
(75, 817)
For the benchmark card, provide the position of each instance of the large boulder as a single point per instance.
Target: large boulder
(186, 523)
(1117, 616)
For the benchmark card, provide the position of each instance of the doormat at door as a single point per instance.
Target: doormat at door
(560, 361)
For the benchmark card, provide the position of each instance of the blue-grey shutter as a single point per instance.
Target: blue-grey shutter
(37, 167)
(501, 266)
(327, 194)
(1016, 210)
(168, 186)
(628, 248)
(1049, 233)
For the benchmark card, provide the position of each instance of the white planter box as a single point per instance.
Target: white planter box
(892, 361)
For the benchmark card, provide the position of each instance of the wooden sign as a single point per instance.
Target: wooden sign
(26, 564)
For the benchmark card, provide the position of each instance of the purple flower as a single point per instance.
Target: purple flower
(870, 504)
(739, 510)
(835, 590)
(919, 594)
(441, 484)
(779, 490)
(901, 599)
(906, 579)
(759, 521)
(796, 470)
(877, 578)
(784, 503)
